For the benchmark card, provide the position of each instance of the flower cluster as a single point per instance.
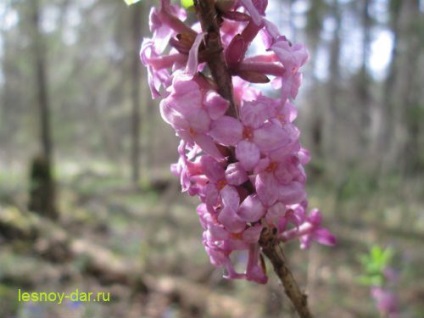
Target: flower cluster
(246, 169)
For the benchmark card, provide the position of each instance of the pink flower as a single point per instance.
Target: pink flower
(189, 169)
(292, 58)
(165, 23)
(386, 301)
(281, 177)
(189, 110)
(256, 9)
(247, 171)
(220, 243)
(253, 134)
(309, 230)
(156, 77)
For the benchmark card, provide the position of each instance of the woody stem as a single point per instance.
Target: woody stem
(218, 67)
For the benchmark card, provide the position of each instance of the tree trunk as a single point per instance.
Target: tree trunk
(332, 111)
(135, 92)
(413, 108)
(316, 108)
(402, 88)
(42, 187)
(363, 82)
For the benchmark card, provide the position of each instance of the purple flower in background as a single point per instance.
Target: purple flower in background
(386, 301)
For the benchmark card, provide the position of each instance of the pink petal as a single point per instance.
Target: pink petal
(235, 174)
(228, 215)
(284, 172)
(169, 115)
(255, 113)
(266, 188)
(215, 105)
(208, 145)
(325, 237)
(185, 93)
(275, 213)
(288, 113)
(251, 8)
(211, 194)
(269, 137)
(251, 209)
(252, 234)
(216, 256)
(248, 154)
(293, 217)
(184, 134)
(199, 120)
(226, 130)
(291, 193)
(315, 216)
(262, 165)
(193, 55)
(290, 147)
(212, 168)
(230, 220)
(260, 5)
(204, 216)
(230, 197)
(270, 35)
(304, 156)
(254, 271)
(217, 232)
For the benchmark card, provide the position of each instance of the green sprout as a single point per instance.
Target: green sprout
(374, 263)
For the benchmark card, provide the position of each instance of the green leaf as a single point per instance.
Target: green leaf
(376, 280)
(387, 255)
(370, 280)
(187, 3)
(129, 2)
(376, 252)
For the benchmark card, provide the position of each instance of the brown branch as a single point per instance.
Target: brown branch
(215, 53)
(222, 77)
(271, 249)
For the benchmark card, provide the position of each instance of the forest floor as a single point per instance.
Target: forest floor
(142, 248)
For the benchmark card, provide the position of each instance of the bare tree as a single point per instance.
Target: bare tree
(42, 187)
(363, 80)
(401, 92)
(137, 12)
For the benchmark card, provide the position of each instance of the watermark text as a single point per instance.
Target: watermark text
(60, 297)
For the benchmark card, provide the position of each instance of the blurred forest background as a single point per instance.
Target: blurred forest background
(87, 200)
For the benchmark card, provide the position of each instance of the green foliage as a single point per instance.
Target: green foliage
(129, 2)
(187, 3)
(373, 264)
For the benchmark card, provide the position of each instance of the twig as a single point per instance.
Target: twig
(268, 242)
(215, 52)
(222, 77)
